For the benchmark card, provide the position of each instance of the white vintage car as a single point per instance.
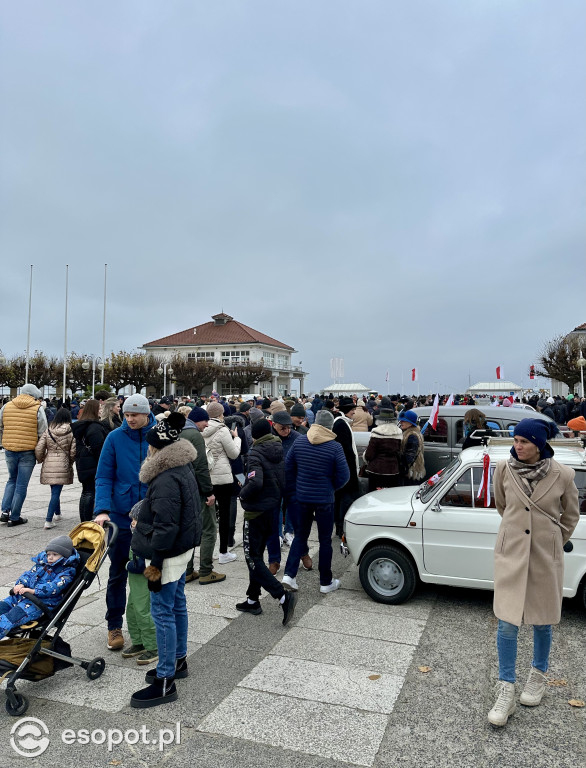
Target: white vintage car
(441, 533)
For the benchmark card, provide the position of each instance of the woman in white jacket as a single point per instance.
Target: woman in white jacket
(223, 445)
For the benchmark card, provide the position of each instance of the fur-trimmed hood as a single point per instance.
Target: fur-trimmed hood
(387, 429)
(175, 455)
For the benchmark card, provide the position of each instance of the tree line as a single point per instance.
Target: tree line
(123, 369)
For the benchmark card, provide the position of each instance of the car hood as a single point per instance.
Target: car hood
(391, 506)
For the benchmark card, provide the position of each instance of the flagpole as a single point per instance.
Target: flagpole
(104, 326)
(28, 335)
(65, 344)
(402, 385)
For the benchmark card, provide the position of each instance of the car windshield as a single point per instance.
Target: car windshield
(430, 486)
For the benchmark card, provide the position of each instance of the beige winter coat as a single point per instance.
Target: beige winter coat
(361, 420)
(56, 451)
(529, 556)
(223, 447)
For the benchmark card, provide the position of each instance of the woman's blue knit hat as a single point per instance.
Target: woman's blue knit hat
(409, 416)
(538, 432)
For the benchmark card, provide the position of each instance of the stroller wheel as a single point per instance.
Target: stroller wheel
(95, 668)
(20, 704)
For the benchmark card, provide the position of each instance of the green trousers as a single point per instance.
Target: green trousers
(209, 533)
(141, 627)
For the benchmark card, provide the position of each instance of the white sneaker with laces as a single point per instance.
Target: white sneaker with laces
(288, 539)
(49, 524)
(534, 688)
(290, 582)
(227, 557)
(504, 706)
(57, 517)
(331, 587)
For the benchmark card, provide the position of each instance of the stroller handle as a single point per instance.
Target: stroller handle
(114, 532)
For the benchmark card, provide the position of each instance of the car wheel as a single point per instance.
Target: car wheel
(388, 575)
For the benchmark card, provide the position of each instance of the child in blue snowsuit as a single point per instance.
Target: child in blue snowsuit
(53, 571)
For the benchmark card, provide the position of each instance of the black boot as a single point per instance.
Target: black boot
(181, 671)
(161, 691)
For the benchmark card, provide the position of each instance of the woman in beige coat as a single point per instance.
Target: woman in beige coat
(56, 451)
(224, 445)
(538, 502)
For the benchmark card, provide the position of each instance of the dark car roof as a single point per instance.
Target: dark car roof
(494, 411)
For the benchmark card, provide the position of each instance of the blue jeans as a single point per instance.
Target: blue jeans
(55, 503)
(20, 468)
(506, 643)
(169, 612)
(324, 518)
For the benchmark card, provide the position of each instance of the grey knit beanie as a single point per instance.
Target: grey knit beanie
(60, 544)
(324, 418)
(136, 404)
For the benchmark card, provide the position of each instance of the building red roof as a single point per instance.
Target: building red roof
(223, 330)
(580, 328)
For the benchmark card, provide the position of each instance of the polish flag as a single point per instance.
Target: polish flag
(434, 412)
(450, 400)
(499, 372)
(484, 489)
(413, 374)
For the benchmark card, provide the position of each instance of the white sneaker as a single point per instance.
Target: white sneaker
(504, 706)
(331, 587)
(49, 525)
(57, 517)
(227, 557)
(534, 688)
(289, 581)
(288, 539)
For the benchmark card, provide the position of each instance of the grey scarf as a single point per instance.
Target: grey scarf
(530, 474)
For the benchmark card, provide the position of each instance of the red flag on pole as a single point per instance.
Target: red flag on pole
(413, 374)
(532, 372)
(434, 412)
(450, 400)
(499, 372)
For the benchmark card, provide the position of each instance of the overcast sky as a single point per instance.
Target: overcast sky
(396, 183)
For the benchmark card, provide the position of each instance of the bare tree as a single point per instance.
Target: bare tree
(558, 360)
(241, 377)
(194, 374)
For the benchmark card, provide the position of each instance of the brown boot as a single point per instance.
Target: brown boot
(115, 639)
(274, 568)
(191, 576)
(307, 562)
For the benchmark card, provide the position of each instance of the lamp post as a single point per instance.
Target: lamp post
(163, 372)
(2, 362)
(581, 362)
(86, 366)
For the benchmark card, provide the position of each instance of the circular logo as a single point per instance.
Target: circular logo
(29, 737)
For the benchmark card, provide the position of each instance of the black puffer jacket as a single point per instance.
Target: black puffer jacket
(169, 522)
(89, 439)
(265, 481)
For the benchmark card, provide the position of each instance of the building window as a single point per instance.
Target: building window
(207, 357)
(282, 361)
(235, 357)
(191, 355)
(269, 359)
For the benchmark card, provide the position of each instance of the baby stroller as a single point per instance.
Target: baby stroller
(36, 650)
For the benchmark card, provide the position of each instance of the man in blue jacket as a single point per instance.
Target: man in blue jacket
(118, 489)
(317, 467)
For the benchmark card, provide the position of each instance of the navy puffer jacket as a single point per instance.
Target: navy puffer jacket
(316, 465)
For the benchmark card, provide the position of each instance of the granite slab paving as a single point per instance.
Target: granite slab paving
(330, 683)
(327, 730)
(351, 651)
(397, 629)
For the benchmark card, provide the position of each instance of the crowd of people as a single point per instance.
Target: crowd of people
(170, 473)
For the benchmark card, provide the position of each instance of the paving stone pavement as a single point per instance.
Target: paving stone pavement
(340, 686)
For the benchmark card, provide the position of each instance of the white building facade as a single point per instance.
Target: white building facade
(229, 343)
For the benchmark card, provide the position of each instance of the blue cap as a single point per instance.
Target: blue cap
(409, 416)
